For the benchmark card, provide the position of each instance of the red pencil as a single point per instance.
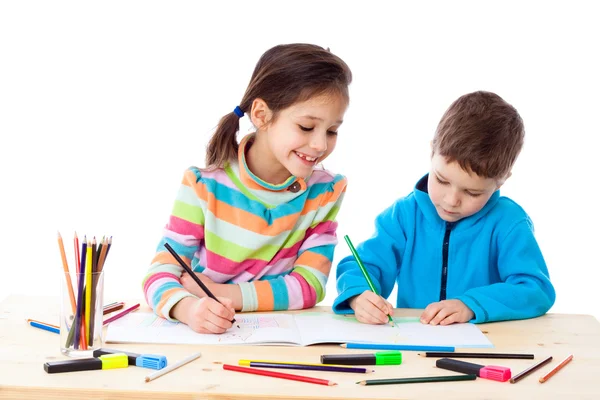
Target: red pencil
(556, 369)
(274, 374)
(119, 315)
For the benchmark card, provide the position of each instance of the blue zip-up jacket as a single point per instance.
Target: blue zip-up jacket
(490, 260)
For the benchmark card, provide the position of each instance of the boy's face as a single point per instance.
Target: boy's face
(456, 193)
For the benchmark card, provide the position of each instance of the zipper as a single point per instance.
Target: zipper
(445, 245)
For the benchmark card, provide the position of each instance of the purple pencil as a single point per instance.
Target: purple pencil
(309, 367)
(119, 315)
(79, 315)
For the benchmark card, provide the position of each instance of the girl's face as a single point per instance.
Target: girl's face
(304, 134)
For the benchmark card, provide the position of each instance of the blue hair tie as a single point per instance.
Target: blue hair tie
(238, 111)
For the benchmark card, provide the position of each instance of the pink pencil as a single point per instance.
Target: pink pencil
(119, 315)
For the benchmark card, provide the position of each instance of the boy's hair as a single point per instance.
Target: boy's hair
(482, 132)
(284, 75)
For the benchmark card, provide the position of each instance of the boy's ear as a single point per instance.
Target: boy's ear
(260, 114)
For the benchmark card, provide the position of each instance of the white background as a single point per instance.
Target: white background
(104, 105)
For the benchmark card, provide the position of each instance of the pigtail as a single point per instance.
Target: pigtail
(223, 145)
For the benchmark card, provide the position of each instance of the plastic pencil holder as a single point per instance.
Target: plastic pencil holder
(81, 313)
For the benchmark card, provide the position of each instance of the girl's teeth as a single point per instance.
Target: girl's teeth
(307, 158)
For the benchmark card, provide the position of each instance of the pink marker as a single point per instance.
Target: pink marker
(492, 372)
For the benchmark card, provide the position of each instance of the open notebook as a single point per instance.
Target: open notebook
(300, 329)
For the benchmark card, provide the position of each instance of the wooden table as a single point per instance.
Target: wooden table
(24, 350)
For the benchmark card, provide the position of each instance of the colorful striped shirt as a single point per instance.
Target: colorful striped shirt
(277, 244)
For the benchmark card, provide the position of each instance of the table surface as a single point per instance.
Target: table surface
(24, 350)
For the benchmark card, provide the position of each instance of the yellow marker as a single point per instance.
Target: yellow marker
(108, 361)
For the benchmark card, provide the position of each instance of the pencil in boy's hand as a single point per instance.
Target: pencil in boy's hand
(193, 275)
(364, 271)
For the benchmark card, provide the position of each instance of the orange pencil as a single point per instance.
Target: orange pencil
(63, 256)
(556, 369)
(77, 262)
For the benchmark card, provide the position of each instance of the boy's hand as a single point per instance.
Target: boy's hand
(191, 286)
(370, 308)
(205, 315)
(446, 312)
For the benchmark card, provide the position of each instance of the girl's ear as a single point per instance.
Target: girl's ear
(260, 114)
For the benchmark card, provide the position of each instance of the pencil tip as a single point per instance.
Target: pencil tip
(361, 383)
(332, 383)
(217, 362)
(146, 379)
(343, 345)
(421, 354)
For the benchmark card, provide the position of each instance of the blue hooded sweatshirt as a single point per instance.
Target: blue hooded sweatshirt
(489, 260)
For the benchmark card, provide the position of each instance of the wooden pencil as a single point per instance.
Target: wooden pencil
(477, 355)
(529, 370)
(280, 375)
(556, 369)
(69, 282)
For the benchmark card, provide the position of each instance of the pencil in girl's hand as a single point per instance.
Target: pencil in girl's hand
(364, 271)
(192, 274)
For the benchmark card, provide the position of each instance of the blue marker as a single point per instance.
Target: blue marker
(372, 346)
(44, 327)
(151, 361)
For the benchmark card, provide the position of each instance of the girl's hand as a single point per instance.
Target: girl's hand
(447, 312)
(191, 286)
(370, 308)
(205, 315)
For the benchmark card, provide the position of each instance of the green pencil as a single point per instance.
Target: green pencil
(423, 379)
(364, 271)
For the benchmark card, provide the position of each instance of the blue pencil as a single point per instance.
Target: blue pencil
(372, 346)
(44, 327)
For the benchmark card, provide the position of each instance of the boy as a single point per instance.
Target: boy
(454, 246)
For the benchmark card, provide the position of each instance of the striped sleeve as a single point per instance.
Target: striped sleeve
(305, 285)
(184, 232)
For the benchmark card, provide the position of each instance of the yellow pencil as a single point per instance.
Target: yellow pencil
(88, 290)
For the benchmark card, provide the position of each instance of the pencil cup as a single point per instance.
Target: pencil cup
(81, 313)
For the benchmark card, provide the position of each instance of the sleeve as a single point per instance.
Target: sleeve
(381, 256)
(305, 285)
(184, 232)
(525, 290)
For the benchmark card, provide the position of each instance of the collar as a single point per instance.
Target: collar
(428, 209)
(251, 181)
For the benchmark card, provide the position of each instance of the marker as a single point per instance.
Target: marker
(406, 347)
(44, 326)
(151, 361)
(493, 372)
(109, 361)
(380, 358)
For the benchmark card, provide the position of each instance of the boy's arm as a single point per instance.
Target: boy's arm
(184, 231)
(381, 256)
(525, 290)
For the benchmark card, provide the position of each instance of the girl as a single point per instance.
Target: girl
(258, 225)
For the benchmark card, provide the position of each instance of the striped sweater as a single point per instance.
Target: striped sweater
(276, 244)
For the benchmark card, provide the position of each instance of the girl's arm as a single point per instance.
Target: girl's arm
(184, 231)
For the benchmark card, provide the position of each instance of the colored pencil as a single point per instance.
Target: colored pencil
(192, 274)
(423, 379)
(171, 367)
(406, 347)
(280, 375)
(112, 308)
(88, 290)
(43, 323)
(477, 355)
(365, 272)
(69, 283)
(247, 363)
(119, 315)
(103, 254)
(79, 315)
(77, 260)
(44, 326)
(556, 369)
(529, 370)
(307, 367)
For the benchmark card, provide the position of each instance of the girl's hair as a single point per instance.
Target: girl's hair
(284, 75)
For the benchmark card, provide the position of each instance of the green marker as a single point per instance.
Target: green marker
(379, 358)
(364, 271)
